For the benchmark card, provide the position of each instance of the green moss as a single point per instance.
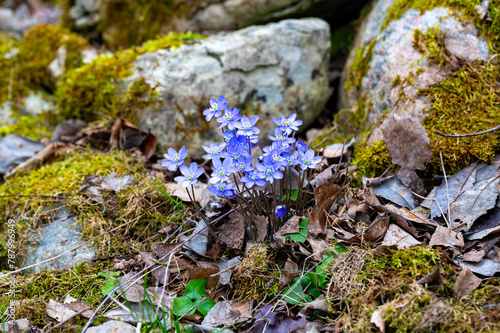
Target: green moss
(98, 87)
(27, 70)
(26, 126)
(62, 178)
(34, 292)
(38, 49)
(489, 28)
(141, 208)
(127, 23)
(372, 160)
(431, 44)
(360, 65)
(467, 102)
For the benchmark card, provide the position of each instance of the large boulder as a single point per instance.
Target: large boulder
(430, 64)
(122, 23)
(265, 70)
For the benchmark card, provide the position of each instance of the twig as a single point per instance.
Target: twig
(33, 196)
(447, 192)
(68, 319)
(467, 135)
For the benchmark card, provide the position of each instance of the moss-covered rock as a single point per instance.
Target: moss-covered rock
(99, 87)
(434, 62)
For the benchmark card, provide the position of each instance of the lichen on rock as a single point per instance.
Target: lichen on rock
(430, 61)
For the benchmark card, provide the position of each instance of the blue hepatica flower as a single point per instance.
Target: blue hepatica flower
(301, 146)
(246, 126)
(307, 160)
(268, 170)
(291, 159)
(228, 135)
(288, 125)
(222, 170)
(190, 175)
(282, 137)
(214, 150)
(243, 164)
(216, 108)
(280, 211)
(238, 146)
(229, 118)
(222, 189)
(174, 159)
(252, 178)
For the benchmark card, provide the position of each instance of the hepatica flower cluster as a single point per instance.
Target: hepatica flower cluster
(265, 186)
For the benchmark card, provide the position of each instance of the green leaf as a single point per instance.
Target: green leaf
(313, 277)
(176, 202)
(205, 306)
(314, 292)
(183, 306)
(108, 287)
(195, 289)
(293, 195)
(299, 237)
(294, 293)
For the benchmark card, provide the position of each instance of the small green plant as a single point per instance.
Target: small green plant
(194, 299)
(312, 282)
(111, 283)
(302, 234)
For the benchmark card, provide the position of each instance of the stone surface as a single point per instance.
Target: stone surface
(15, 149)
(394, 55)
(61, 235)
(266, 70)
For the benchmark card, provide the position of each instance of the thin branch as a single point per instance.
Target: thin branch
(467, 135)
(447, 191)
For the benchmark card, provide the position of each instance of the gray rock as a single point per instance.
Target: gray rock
(15, 149)
(394, 55)
(61, 235)
(265, 70)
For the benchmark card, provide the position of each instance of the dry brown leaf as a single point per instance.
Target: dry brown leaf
(126, 136)
(261, 223)
(232, 232)
(318, 247)
(289, 272)
(447, 238)
(410, 179)
(77, 306)
(176, 190)
(407, 142)
(326, 195)
(207, 271)
(290, 227)
(163, 250)
(377, 230)
(45, 156)
(433, 280)
(67, 130)
(466, 282)
(399, 237)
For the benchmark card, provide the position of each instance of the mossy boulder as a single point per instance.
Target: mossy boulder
(31, 67)
(430, 61)
(125, 23)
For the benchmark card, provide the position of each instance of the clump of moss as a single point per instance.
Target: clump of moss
(34, 292)
(26, 126)
(372, 160)
(253, 274)
(360, 65)
(431, 44)
(127, 23)
(489, 28)
(27, 69)
(466, 102)
(141, 209)
(97, 87)
(26, 193)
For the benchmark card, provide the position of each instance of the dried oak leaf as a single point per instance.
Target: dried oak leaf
(433, 280)
(326, 195)
(447, 238)
(290, 227)
(290, 271)
(457, 184)
(125, 136)
(466, 282)
(67, 129)
(232, 233)
(407, 142)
